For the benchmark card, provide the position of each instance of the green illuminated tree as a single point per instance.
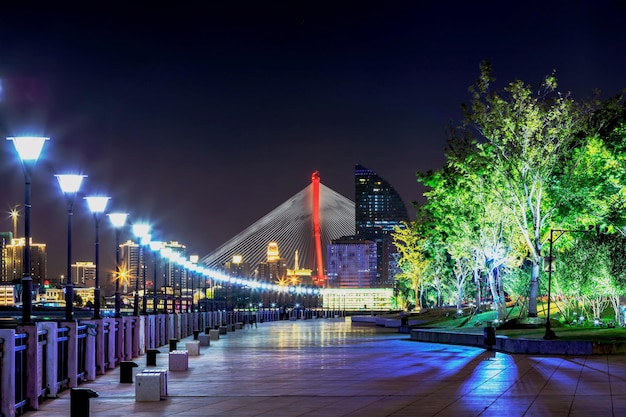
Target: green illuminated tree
(412, 262)
(473, 224)
(526, 136)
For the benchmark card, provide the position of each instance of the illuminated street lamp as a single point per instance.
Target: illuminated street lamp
(155, 247)
(70, 184)
(140, 230)
(97, 205)
(118, 220)
(28, 148)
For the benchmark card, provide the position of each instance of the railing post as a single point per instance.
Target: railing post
(51, 351)
(32, 371)
(7, 381)
(110, 341)
(72, 352)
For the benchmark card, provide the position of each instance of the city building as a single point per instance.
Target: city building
(129, 266)
(378, 210)
(274, 269)
(7, 295)
(357, 299)
(172, 271)
(237, 267)
(84, 274)
(352, 263)
(299, 276)
(12, 261)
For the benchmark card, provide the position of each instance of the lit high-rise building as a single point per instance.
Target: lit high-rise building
(378, 210)
(84, 274)
(351, 263)
(13, 258)
(172, 272)
(129, 258)
(237, 267)
(274, 269)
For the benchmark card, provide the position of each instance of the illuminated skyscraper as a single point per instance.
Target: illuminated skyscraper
(378, 210)
(351, 263)
(84, 274)
(12, 261)
(274, 269)
(129, 258)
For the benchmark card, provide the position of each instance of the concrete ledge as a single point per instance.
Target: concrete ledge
(505, 344)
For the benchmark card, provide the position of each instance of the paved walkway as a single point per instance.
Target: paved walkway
(333, 368)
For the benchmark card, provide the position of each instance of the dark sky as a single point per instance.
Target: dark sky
(203, 118)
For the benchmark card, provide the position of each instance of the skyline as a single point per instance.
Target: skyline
(174, 111)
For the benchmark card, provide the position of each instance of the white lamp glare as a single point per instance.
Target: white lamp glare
(70, 183)
(118, 219)
(28, 147)
(97, 204)
(141, 229)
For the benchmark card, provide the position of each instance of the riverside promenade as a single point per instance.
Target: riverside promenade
(332, 367)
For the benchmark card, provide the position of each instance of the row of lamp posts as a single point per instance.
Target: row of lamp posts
(29, 149)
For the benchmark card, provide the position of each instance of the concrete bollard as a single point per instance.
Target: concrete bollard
(126, 372)
(173, 343)
(151, 357)
(195, 334)
(79, 401)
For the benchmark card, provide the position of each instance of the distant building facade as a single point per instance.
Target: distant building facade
(237, 267)
(84, 274)
(13, 258)
(274, 269)
(351, 263)
(378, 210)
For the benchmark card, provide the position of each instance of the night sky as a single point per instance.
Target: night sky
(201, 119)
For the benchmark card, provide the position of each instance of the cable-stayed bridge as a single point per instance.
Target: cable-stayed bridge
(291, 226)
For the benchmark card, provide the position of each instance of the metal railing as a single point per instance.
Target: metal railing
(63, 378)
(107, 334)
(81, 339)
(21, 372)
(42, 339)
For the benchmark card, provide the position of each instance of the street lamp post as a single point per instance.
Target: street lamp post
(70, 184)
(118, 220)
(28, 149)
(549, 335)
(140, 230)
(97, 205)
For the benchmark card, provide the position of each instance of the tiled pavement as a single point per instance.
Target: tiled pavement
(330, 367)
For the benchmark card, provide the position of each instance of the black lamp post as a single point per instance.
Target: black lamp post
(70, 184)
(118, 220)
(28, 149)
(549, 335)
(97, 205)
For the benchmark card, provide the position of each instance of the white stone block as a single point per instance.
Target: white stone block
(148, 387)
(162, 373)
(204, 339)
(193, 348)
(178, 360)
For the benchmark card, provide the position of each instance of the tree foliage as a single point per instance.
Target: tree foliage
(525, 161)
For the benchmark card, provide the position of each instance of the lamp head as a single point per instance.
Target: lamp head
(28, 147)
(118, 220)
(97, 204)
(70, 183)
(141, 229)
